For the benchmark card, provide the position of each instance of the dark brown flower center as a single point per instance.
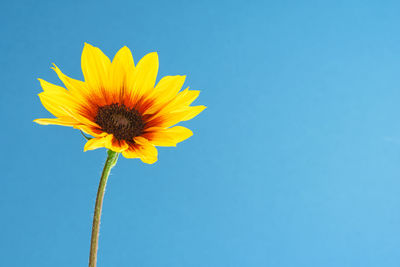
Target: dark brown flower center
(119, 120)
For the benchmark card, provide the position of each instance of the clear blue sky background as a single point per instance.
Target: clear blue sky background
(296, 161)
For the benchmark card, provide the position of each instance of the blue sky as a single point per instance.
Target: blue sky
(296, 161)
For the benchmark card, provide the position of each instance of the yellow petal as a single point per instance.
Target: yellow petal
(145, 76)
(60, 105)
(143, 150)
(78, 89)
(168, 120)
(146, 151)
(181, 101)
(95, 67)
(51, 88)
(186, 97)
(165, 91)
(148, 154)
(120, 145)
(66, 121)
(130, 153)
(121, 70)
(141, 140)
(167, 137)
(95, 132)
(115, 145)
(94, 143)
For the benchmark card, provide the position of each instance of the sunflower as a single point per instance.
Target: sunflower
(120, 105)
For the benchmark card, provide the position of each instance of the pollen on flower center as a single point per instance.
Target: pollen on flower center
(119, 120)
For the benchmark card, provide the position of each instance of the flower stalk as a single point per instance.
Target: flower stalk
(112, 158)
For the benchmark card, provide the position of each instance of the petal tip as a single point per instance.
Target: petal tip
(153, 54)
(149, 161)
(40, 121)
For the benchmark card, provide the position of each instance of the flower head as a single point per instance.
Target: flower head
(120, 104)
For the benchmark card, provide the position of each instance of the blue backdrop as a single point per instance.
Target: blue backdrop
(296, 161)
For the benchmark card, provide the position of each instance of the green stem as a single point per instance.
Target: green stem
(110, 162)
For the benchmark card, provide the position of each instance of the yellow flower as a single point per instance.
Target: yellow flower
(120, 105)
